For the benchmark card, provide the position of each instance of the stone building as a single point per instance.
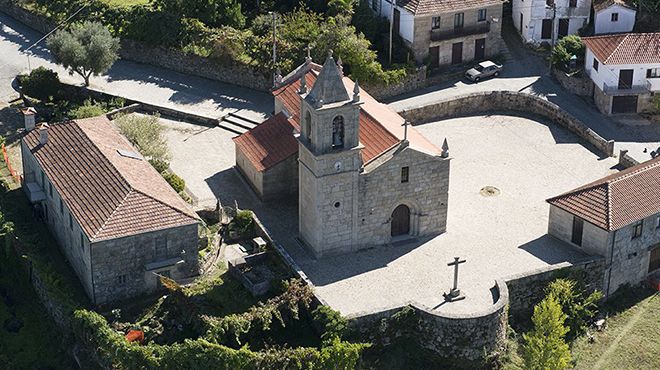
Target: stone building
(446, 31)
(617, 217)
(115, 218)
(364, 178)
(625, 70)
(547, 21)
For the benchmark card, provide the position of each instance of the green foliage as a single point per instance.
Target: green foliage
(88, 49)
(576, 304)
(544, 347)
(87, 110)
(146, 133)
(655, 102)
(243, 222)
(176, 182)
(565, 49)
(331, 322)
(212, 12)
(41, 83)
(160, 165)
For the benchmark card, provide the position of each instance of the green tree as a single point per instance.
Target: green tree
(146, 133)
(575, 303)
(88, 49)
(565, 49)
(41, 83)
(212, 12)
(544, 347)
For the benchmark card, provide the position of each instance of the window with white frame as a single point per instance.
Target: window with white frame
(637, 229)
(435, 23)
(481, 15)
(615, 17)
(653, 73)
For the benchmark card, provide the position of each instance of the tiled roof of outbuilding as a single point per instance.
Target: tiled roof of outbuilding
(626, 48)
(618, 199)
(109, 195)
(432, 7)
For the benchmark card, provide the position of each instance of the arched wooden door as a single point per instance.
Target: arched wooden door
(401, 220)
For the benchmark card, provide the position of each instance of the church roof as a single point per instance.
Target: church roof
(618, 199)
(380, 127)
(329, 87)
(269, 143)
(110, 191)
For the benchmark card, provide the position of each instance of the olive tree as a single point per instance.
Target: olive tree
(87, 49)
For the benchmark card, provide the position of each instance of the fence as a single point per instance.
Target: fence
(17, 178)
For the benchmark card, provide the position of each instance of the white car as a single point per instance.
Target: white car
(483, 70)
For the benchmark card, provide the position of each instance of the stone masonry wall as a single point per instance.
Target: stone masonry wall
(507, 101)
(527, 289)
(448, 335)
(578, 85)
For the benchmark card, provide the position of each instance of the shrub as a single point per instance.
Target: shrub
(243, 222)
(578, 307)
(146, 133)
(331, 322)
(177, 183)
(41, 83)
(544, 347)
(87, 110)
(565, 49)
(160, 165)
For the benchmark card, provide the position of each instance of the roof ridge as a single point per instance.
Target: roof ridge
(644, 166)
(623, 40)
(608, 219)
(112, 214)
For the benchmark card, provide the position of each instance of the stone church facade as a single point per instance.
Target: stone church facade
(365, 178)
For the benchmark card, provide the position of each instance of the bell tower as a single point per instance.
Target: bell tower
(329, 162)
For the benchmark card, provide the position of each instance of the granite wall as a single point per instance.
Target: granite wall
(482, 102)
(578, 84)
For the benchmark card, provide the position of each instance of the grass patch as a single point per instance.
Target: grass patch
(631, 340)
(125, 3)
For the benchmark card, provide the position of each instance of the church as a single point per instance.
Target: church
(363, 176)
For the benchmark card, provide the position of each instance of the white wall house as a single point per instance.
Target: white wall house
(534, 18)
(613, 16)
(406, 19)
(625, 70)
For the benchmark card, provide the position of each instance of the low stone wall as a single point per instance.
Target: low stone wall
(483, 102)
(577, 84)
(527, 289)
(415, 80)
(625, 160)
(454, 336)
(34, 21)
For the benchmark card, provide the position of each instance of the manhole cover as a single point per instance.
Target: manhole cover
(489, 191)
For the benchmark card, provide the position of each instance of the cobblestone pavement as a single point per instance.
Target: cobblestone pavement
(528, 72)
(501, 235)
(134, 81)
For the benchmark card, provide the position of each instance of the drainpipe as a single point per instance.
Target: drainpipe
(609, 273)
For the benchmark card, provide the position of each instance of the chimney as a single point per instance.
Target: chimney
(43, 133)
(29, 115)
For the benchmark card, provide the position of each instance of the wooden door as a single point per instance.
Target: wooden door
(521, 22)
(563, 28)
(624, 104)
(546, 29)
(397, 21)
(457, 53)
(625, 78)
(434, 54)
(654, 260)
(578, 227)
(401, 220)
(479, 49)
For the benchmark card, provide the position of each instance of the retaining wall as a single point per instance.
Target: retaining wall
(577, 84)
(483, 102)
(460, 336)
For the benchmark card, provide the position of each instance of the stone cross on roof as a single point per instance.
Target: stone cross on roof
(329, 86)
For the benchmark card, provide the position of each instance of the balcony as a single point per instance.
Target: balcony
(643, 88)
(479, 28)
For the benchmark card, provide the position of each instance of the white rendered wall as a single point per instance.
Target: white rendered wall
(603, 20)
(406, 21)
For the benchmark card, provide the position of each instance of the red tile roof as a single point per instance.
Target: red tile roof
(432, 7)
(626, 48)
(380, 127)
(616, 200)
(110, 195)
(269, 143)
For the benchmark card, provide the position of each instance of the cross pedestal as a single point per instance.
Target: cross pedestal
(455, 293)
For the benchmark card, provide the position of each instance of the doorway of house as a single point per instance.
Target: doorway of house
(401, 220)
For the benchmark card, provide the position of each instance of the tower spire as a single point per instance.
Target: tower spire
(356, 91)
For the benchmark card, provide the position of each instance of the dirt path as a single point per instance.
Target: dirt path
(626, 329)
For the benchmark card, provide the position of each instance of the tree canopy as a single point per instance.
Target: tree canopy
(87, 49)
(545, 347)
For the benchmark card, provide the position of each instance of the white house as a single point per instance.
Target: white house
(613, 16)
(625, 70)
(540, 21)
(443, 32)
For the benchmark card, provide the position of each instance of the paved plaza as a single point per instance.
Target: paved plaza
(499, 234)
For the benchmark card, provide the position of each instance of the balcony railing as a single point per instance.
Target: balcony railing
(642, 88)
(479, 28)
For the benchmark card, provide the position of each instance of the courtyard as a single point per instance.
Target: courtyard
(503, 169)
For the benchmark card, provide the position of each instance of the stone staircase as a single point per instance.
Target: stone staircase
(237, 124)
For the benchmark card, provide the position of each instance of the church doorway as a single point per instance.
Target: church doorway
(401, 220)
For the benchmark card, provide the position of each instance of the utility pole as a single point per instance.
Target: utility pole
(274, 18)
(552, 35)
(393, 4)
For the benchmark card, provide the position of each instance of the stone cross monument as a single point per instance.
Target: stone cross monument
(455, 293)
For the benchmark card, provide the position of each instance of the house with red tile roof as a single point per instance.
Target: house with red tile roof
(117, 221)
(446, 31)
(617, 217)
(625, 70)
(364, 177)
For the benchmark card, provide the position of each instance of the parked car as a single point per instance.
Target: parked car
(483, 70)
